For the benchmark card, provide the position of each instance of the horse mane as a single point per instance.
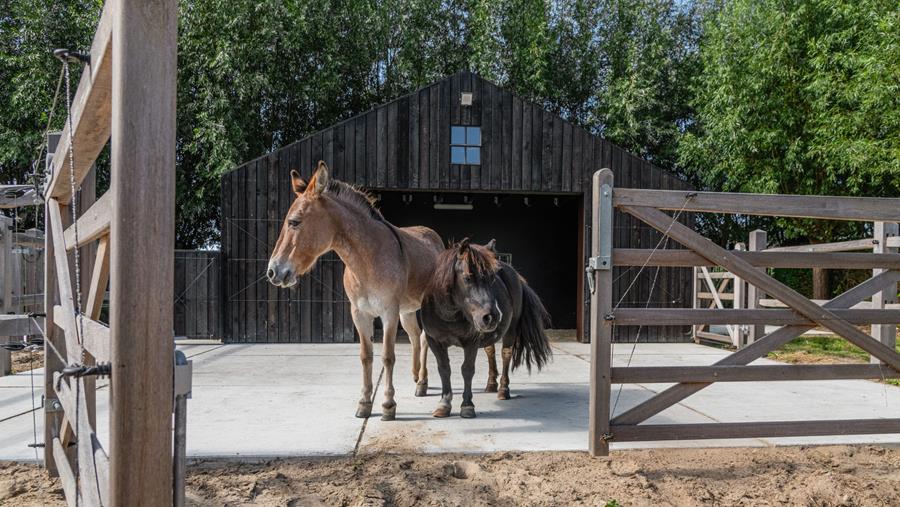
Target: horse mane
(479, 261)
(354, 197)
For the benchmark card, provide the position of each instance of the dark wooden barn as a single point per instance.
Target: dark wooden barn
(466, 158)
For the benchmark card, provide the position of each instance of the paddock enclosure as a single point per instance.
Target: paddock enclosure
(469, 159)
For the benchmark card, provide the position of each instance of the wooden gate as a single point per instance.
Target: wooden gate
(802, 314)
(123, 238)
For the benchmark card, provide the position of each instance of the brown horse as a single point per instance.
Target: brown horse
(386, 269)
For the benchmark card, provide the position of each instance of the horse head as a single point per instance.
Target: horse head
(466, 274)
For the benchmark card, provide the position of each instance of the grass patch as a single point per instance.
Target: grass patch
(823, 349)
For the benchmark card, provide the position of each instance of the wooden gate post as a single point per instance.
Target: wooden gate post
(739, 302)
(142, 240)
(600, 268)
(758, 240)
(885, 333)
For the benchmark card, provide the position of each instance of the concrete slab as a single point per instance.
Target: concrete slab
(280, 400)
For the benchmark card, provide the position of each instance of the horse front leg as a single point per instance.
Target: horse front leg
(419, 352)
(491, 386)
(443, 364)
(503, 392)
(468, 371)
(389, 407)
(365, 327)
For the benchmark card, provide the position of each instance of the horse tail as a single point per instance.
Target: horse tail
(532, 345)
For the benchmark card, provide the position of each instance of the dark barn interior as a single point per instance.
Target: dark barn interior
(457, 143)
(540, 239)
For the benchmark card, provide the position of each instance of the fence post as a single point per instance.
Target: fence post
(6, 286)
(758, 243)
(740, 294)
(600, 269)
(142, 237)
(695, 283)
(885, 333)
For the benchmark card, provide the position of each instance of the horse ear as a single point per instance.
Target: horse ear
(297, 183)
(492, 245)
(319, 182)
(463, 246)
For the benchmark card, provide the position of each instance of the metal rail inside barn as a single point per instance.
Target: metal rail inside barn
(464, 157)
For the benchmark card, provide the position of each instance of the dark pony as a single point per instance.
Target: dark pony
(474, 300)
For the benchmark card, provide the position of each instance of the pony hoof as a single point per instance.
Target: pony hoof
(389, 413)
(491, 387)
(441, 411)
(467, 412)
(503, 393)
(364, 410)
(422, 389)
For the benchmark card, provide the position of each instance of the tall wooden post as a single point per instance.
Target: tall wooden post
(6, 286)
(885, 333)
(142, 237)
(758, 242)
(739, 302)
(601, 307)
(53, 337)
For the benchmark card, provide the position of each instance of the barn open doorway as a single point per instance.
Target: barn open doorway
(538, 234)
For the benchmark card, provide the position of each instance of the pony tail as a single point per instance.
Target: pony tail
(532, 345)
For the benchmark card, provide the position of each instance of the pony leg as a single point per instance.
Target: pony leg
(389, 407)
(491, 386)
(503, 393)
(365, 327)
(420, 373)
(443, 363)
(468, 371)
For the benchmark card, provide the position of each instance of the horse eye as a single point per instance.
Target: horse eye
(293, 223)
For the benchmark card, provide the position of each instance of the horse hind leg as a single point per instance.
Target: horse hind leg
(419, 352)
(491, 386)
(503, 392)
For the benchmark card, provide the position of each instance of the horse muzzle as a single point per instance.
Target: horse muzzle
(281, 275)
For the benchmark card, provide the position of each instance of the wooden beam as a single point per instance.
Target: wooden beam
(761, 373)
(90, 454)
(66, 476)
(92, 224)
(893, 242)
(767, 259)
(863, 305)
(142, 258)
(601, 305)
(864, 209)
(18, 325)
(728, 316)
(99, 280)
(723, 296)
(658, 432)
(839, 246)
(755, 350)
(95, 337)
(90, 114)
(707, 335)
(818, 314)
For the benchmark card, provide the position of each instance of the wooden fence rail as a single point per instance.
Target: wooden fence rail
(838, 315)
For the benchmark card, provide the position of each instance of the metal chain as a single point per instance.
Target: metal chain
(73, 205)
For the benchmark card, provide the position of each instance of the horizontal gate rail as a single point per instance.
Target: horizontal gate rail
(841, 315)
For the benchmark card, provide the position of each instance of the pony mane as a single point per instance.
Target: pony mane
(478, 260)
(354, 197)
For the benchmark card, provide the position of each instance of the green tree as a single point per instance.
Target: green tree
(799, 97)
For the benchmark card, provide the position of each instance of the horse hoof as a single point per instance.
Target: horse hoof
(441, 411)
(467, 412)
(422, 389)
(389, 413)
(364, 410)
(503, 393)
(491, 387)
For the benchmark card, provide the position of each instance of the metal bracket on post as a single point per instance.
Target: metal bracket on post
(603, 261)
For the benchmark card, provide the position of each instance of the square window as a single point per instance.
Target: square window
(473, 155)
(458, 135)
(473, 136)
(457, 155)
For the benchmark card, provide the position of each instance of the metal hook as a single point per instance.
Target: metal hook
(69, 56)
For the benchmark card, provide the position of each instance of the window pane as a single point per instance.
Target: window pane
(473, 136)
(457, 155)
(457, 135)
(473, 156)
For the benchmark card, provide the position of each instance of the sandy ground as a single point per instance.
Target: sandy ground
(26, 361)
(814, 476)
